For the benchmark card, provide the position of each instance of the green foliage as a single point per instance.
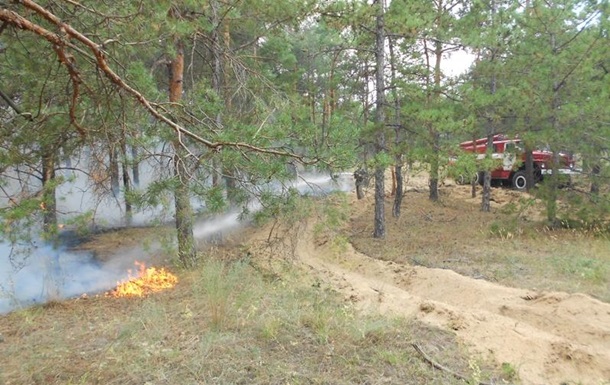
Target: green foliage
(296, 76)
(509, 372)
(288, 205)
(463, 167)
(505, 230)
(18, 220)
(381, 159)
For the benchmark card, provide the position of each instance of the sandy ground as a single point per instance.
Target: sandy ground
(548, 337)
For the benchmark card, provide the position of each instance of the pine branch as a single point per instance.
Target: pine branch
(99, 55)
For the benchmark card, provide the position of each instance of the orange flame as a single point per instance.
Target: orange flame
(148, 280)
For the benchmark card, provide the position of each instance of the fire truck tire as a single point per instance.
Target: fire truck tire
(479, 178)
(519, 180)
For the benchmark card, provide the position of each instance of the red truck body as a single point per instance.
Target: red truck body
(511, 158)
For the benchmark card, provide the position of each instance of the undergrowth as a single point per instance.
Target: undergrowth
(225, 323)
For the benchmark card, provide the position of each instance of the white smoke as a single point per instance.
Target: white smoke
(37, 273)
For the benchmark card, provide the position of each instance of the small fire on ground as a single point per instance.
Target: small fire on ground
(146, 281)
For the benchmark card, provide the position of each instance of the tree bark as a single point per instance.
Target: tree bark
(530, 176)
(595, 171)
(491, 129)
(399, 189)
(187, 253)
(379, 228)
(434, 167)
(486, 195)
(552, 184)
(135, 168)
(434, 134)
(398, 158)
(217, 79)
(360, 178)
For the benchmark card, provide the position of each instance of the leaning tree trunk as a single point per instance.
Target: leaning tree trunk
(187, 253)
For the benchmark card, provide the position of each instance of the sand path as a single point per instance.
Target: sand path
(549, 337)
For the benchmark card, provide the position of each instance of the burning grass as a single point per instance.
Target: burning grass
(145, 281)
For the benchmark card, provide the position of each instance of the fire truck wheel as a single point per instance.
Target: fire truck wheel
(479, 178)
(519, 180)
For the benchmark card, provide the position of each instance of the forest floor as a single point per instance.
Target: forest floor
(495, 296)
(508, 287)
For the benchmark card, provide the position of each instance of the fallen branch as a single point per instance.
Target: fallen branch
(438, 366)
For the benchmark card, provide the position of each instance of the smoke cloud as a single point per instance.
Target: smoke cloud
(37, 273)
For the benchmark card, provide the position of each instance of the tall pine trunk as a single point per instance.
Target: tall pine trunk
(434, 132)
(552, 184)
(491, 129)
(187, 253)
(379, 228)
(530, 176)
(217, 78)
(135, 166)
(398, 158)
(486, 195)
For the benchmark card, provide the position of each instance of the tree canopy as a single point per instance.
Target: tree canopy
(212, 98)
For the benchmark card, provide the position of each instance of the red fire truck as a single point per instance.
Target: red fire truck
(510, 154)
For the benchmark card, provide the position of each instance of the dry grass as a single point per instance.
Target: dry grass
(510, 245)
(225, 323)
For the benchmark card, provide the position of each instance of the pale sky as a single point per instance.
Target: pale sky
(457, 63)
